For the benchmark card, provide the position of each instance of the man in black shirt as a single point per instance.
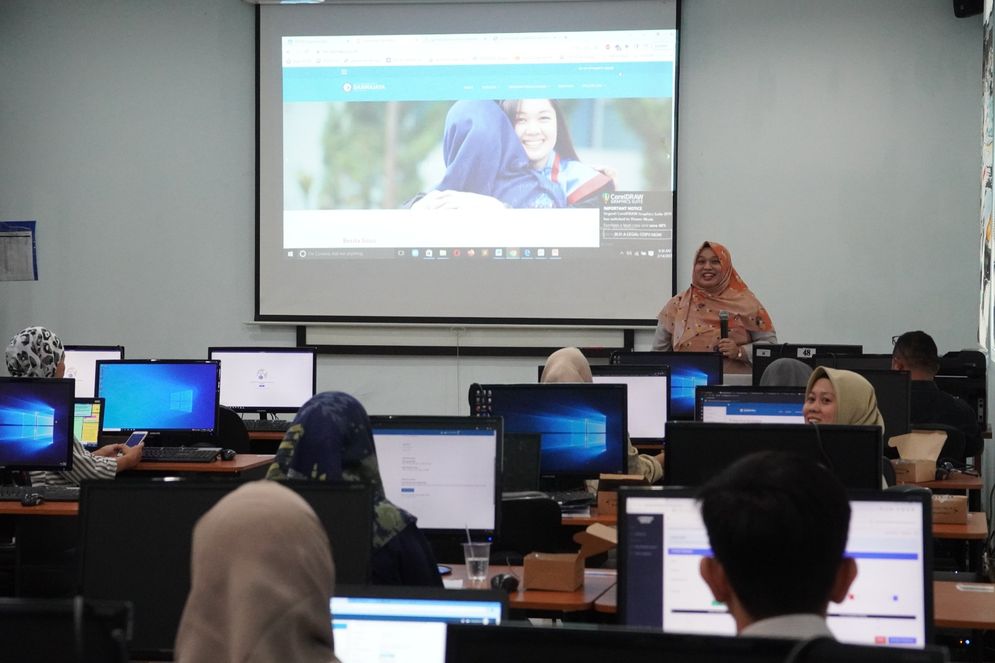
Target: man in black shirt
(916, 352)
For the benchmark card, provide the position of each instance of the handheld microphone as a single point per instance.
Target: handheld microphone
(723, 324)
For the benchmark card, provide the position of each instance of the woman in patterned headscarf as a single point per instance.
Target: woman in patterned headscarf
(331, 439)
(35, 352)
(690, 321)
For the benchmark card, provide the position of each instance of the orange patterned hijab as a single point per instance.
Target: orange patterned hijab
(692, 317)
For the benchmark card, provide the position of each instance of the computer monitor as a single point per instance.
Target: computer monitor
(583, 426)
(855, 362)
(687, 371)
(698, 451)
(648, 396)
(406, 624)
(749, 405)
(161, 396)
(266, 380)
(88, 420)
(446, 471)
(81, 365)
(147, 560)
(894, 393)
(36, 424)
(522, 642)
(43, 629)
(521, 456)
(662, 539)
(765, 353)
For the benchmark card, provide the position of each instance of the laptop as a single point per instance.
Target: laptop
(88, 420)
(406, 624)
(662, 540)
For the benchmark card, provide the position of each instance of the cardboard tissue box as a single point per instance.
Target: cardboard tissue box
(565, 571)
(917, 453)
(608, 490)
(950, 509)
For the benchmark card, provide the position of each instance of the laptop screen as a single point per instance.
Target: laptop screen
(648, 397)
(88, 420)
(687, 371)
(81, 365)
(750, 405)
(377, 624)
(443, 470)
(583, 426)
(662, 541)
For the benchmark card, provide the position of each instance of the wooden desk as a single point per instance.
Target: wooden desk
(241, 464)
(955, 481)
(46, 509)
(574, 520)
(596, 583)
(976, 528)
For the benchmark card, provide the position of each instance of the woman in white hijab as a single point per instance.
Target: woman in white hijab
(261, 578)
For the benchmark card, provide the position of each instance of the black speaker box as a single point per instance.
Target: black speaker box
(965, 8)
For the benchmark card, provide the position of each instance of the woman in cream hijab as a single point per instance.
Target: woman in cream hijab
(570, 365)
(261, 578)
(835, 396)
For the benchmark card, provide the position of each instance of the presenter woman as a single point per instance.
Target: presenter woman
(691, 321)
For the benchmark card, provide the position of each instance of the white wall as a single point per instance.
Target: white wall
(834, 147)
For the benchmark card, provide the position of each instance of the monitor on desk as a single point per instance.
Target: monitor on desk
(697, 451)
(81, 365)
(266, 380)
(860, 362)
(894, 395)
(648, 393)
(162, 396)
(36, 424)
(688, 370)
(749, 405)
(88, 420)
(662, 540)
(765, 353)
(155, 540)
(583, 426)
(406, 624)
(446, 471)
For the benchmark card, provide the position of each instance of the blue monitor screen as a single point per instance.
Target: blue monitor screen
(582, 426)
(688, 370)
(159, 395)
(36, 423)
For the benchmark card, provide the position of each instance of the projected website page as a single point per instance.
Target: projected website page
(885, 604)
(427, 156)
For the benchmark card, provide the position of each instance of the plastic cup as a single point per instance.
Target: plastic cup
(477, 557)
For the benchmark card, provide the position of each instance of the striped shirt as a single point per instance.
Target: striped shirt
(85, 466)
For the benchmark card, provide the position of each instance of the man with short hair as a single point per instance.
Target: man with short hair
(778, 525)
(916, 352)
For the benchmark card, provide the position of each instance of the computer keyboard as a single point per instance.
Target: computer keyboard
(180, 454)
(48, 493)
(572, 498)
(272, 425)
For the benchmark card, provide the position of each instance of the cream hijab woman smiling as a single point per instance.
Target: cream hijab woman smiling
(840, 397)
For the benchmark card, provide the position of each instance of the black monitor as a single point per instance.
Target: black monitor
(445, 471)
(585, 643)
(161, 396)
(687, 371)
(266, 380)
(81, 365)
(765, 353)
(855, 362)
(36, 424)
(583, 426)
(648, 396)
(521, 456)
(698, 451)
(135, 542)
(894, 393)
(37, 629)
(88, 420)
(749, 405)
(662, 540)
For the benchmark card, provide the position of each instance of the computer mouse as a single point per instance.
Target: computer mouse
(505, 581)
(31, 499)
(228, 454)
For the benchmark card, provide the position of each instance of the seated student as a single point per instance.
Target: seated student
(37, 352)
(331, 439)
(786, 372)
(835, 396)
(916, 352)
(570, 365)
(261, 575)
(777, 524)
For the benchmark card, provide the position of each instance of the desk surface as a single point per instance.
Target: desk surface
(596, 583)
(954, 482)
(46, 509)
(240, 463)
(583, 520)
(976, 528)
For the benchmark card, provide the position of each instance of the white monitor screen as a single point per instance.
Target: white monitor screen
(647, 403)
(750, 405)
(273, 380)
(447, 147)
(886, 605)
(444, 473)
(374, 629)
(81, 365)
